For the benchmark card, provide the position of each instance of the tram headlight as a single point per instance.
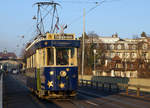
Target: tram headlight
(63, 73)
(62, 85)
(51, 72)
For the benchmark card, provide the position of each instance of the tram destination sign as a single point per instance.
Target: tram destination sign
(62, 37)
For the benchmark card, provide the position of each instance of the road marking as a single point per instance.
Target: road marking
(92, 103)
(112, 99)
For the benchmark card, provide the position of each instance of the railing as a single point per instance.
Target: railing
(112, 86)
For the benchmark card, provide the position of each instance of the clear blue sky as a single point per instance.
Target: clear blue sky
(126, 17)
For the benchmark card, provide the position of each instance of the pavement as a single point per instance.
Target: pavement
(1, 88)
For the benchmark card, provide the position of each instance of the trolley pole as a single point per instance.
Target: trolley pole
(83, 42)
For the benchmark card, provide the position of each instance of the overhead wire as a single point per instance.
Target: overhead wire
(97, 4)
(77, 2)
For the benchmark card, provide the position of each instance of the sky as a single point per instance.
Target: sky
(128, 18)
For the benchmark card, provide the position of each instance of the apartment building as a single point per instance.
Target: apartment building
(122, 56)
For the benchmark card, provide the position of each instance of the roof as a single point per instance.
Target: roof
(116, 58)
(8, 55)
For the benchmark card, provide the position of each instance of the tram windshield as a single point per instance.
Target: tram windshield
(62, 56)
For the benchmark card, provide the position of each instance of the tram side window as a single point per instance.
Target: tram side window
(62, 57)
(28, 62)
(50, 56)
(72, 56)
(43, 56)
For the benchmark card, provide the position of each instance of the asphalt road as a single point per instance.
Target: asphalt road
(16, 95)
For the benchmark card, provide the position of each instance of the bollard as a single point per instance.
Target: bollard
(127, 90)
(79, 82)
(82, 82)
(109, 87)
(138, 91)
(102, 86)
(86, 83)
(97, 84)
(91, 83)
(118, 89)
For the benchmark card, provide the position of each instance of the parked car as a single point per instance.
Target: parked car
(14, 71)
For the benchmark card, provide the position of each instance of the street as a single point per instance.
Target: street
(16, 95)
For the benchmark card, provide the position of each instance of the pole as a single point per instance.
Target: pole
(94, 72)
(83, 36)
(94, 61)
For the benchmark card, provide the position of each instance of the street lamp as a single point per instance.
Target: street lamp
(94, 51)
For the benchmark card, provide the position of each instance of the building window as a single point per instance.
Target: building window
(144, 55)
(127, 55)
(118, 54)
(126, 46)
(112, 47)
(133, 55)
(132, 66)
(112, 55)
(144, 46)
(133, 47)
(119, 47)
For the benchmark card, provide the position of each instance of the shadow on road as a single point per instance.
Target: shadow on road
(16, 95)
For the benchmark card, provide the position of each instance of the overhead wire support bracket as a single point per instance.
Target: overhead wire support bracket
(46, 3)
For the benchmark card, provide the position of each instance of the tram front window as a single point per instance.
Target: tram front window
(50, 56)
(62, 57)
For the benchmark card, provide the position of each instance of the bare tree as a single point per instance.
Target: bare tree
(89, 54)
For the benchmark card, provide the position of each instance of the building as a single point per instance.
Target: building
(122, 56)
(7, 55)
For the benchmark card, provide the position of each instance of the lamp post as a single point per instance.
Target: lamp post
(83, 46)
(94, 61)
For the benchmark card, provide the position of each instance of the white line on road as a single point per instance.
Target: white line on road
(92, 103)
(112, 99)
(101, 101)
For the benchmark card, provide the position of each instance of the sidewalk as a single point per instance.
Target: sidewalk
(1, 94)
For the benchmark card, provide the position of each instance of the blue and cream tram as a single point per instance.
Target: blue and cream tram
(52, 70)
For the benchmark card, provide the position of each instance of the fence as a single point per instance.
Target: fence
(120, 80)
(112, 86)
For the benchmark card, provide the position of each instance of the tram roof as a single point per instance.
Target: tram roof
(53, 43)
(53, 40)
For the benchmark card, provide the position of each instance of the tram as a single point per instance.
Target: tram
(52, 70)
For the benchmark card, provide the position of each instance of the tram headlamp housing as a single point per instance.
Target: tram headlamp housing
(63, 73)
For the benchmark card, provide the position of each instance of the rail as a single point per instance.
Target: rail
(113, 86)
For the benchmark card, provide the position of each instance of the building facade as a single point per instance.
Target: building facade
(7, 55)
(122, 56)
